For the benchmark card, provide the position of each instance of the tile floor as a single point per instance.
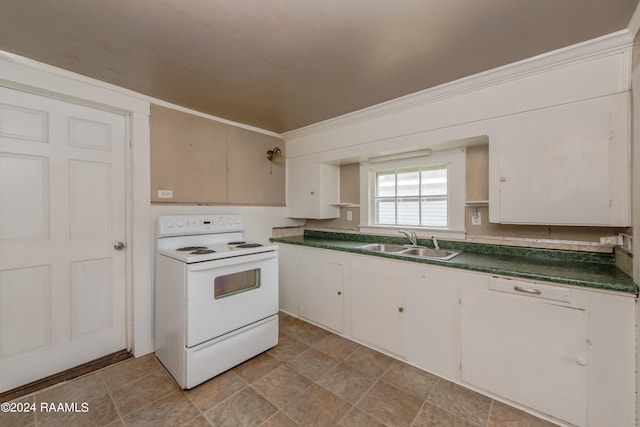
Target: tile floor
(311, 378)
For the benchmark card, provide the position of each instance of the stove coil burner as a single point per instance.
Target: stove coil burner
(196, 250)
(249, 245)
(236, 243)
(191, 248)
(202, 251)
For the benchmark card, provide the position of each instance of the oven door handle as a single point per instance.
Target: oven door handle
(236, 260)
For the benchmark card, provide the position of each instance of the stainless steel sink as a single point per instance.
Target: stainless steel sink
(431, 253)
(383, 247)
(420, 252)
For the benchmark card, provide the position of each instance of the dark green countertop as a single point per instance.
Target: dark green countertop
(592, 270)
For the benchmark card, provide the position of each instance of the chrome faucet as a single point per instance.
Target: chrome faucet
(435, 242)
(412, 237)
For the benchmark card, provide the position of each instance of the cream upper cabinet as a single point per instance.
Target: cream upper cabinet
(312, 190)
(563, 165)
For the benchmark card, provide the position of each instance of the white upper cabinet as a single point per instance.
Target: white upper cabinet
(312, 190)
(563, 165)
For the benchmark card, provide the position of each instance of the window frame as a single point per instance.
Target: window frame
(454, 159)
(397, 198)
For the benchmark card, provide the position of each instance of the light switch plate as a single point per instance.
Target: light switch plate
(165, 194)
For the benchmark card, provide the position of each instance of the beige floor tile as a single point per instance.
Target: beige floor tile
(336, 346)
(173, 409)
(430, 416)
(503, 415)
(88, 399)
(356, 418)
(129, 370)
(410, 379)
(308, 333)
(347, 382)
(199, 421)
(256, 368)
(390, 404)
(138, 393)
(313, 363)
(245, 408)
(280, 419)
(217, 389)
(317, 407)
(291, 325)
(23, 415)
(78, 390)
(287, 348)
(462, 402)
(100, 411)
(370, 361)
(282, 385)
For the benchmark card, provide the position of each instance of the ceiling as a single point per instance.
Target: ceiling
(283, 64)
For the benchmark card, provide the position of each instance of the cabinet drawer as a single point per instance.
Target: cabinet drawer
(531, 289)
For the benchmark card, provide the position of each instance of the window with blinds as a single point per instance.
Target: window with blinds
(414, 196)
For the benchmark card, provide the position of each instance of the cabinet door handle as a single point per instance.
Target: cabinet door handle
(339, 292)
(527, 290)
(400, 309)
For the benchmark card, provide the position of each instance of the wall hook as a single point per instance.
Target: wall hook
(272, 153)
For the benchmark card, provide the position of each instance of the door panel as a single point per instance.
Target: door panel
(62, 207)
(24, 213)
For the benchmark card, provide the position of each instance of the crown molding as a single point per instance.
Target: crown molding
(609, 44)
(42, 67)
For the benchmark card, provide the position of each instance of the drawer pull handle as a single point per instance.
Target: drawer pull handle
(526, 290)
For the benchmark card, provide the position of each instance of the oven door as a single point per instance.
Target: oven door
(226, 294)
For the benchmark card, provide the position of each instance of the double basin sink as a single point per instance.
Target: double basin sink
(413, 251)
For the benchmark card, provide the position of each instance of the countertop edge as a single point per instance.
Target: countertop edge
(626, 288)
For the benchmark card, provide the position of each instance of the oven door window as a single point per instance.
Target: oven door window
(235, 283)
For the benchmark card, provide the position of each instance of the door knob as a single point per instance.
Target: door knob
(118, 246)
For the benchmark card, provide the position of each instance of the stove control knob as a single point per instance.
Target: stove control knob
(169, 224)
(180, 223)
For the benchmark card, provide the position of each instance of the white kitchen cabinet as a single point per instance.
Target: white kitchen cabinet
(527, 349)
(321, 292)
(288, 278)
(312, 190)
(562, 165)
(378, 313)
(433, 316)
(567, 352)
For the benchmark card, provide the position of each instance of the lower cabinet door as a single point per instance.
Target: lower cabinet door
(378, 303)
(530, 351)
(320, 292)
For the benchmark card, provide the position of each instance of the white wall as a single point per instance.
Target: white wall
(469, 107)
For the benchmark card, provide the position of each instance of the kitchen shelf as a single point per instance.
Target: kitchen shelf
(346, 205)
(477, 203)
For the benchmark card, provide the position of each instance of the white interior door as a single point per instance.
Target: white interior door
(62, 208)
